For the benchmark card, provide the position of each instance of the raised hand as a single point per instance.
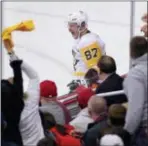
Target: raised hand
(8, 43)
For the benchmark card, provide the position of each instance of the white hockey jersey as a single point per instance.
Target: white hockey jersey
(86, 52)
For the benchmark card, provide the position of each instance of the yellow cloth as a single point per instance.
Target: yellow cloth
(81, 74)
(23, 26)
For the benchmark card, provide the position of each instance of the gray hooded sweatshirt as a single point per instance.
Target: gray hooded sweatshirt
(135, 87)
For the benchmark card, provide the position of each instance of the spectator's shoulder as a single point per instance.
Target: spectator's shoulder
(135, 73)
(98, 127)
(116, 76)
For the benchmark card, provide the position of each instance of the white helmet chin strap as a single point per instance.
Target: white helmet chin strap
(81, 31)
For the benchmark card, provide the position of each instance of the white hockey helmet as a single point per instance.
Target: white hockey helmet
(78, 18)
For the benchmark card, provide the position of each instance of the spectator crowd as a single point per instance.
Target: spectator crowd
(37, 118)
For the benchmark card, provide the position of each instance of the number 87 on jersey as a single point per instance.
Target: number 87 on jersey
(91, 54)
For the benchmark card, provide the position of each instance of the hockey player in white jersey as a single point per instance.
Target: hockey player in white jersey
(87, 48)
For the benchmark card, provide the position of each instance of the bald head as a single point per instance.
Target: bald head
(97, 105)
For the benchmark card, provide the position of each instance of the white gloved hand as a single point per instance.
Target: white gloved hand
(13, 57)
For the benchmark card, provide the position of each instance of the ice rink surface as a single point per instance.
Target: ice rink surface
(48, 48)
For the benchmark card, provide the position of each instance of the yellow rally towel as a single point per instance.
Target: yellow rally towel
(23, 26)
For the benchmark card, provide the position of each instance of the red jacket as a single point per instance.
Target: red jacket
(65, 140)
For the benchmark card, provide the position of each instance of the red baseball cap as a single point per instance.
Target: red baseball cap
(48, 89)
(84, 94)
